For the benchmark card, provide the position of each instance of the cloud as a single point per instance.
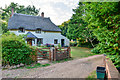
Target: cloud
(58, 10)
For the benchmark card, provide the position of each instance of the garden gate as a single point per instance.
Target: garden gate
(53, 54)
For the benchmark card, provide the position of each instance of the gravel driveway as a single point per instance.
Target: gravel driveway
(78, 68)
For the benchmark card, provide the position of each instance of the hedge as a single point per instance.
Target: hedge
(15, 51)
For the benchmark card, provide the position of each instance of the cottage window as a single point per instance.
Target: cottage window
(38, 31)
(40, 41)
(55, 41)
(21, 30)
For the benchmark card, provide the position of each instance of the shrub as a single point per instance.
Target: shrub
(15, 51)
(49, 45)
(59, 45)
(95, 50)
(74, 43)
(84, 44)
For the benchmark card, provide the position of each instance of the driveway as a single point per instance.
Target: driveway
(78, 68)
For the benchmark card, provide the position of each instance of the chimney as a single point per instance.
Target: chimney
(12, 11)
(42, 14)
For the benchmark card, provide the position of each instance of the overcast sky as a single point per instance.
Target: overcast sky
(58, 10)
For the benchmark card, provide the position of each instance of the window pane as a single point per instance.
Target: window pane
(55, 41)
(40, 41)
(21, 30)
(38, 31)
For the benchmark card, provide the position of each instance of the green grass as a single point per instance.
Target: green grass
(44, 65)
(80, 52)
(92, 76)
(37, 65)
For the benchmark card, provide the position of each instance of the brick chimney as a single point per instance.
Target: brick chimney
(42, 14)
(12, 11)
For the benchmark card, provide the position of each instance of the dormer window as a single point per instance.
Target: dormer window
(21, 30)
(38, 31)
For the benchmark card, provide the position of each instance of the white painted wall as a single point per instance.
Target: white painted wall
(48, 37)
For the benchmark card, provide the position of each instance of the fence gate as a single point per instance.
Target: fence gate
(43, 53)
(61, 53)
(53, 54)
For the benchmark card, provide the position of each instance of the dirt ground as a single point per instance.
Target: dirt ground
(78, 68)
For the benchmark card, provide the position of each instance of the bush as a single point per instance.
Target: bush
(49, 45)
(95, 50)
(85, 44)
(15, 51)
(74, 43)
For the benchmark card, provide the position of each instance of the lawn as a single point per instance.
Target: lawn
(80, 52)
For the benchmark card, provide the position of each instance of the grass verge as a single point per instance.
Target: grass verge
(37, 65)
(92, 76)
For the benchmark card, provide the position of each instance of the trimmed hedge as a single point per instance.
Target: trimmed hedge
(15, 51)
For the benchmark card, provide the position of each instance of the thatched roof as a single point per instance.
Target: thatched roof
(29, 22)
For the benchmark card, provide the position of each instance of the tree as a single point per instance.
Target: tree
(78, 28)
(6, 13)
(64, 27)
(103, 19)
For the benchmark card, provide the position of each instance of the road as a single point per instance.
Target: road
(77, 68)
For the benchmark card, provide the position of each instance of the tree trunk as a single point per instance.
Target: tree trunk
(91, 43)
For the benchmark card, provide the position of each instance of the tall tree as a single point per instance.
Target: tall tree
(103, 19)
(78, 28)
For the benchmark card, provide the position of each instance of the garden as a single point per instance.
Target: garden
(97, 32)
(15, 51)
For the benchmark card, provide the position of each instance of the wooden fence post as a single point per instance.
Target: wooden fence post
(69, 52)
(49, 55)
(55, 54)
(36, 55)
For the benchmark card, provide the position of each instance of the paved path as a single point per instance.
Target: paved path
(78, 68)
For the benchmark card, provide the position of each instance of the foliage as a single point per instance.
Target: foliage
(4, 26)
(97, 23)
(83, 43)
(64, 27)
(78, 28)
(59, 46)
(15, 50)
(104, 21)
(49, 45)
(96, 50)
(73, 43)
(5, 13)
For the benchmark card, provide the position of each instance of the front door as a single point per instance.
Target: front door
(62, 42)
(29, 41)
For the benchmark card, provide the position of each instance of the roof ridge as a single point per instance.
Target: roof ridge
(29, 15)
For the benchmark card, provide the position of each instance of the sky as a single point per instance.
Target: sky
(58, 10)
